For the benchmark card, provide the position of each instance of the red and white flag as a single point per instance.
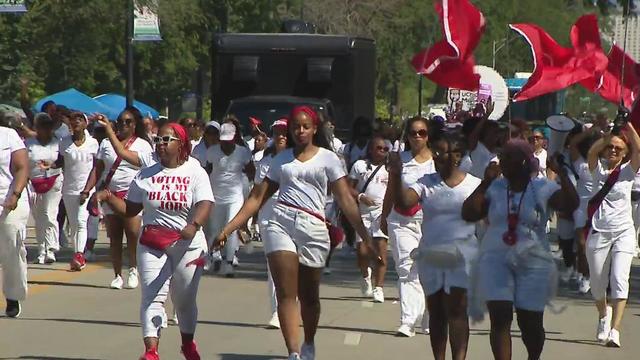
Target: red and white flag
(450, 61)
(609, 85)
(557, 67)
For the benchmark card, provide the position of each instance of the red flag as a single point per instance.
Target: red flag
(609, 84)
(585, 38)
(555, 67)
(450, 61)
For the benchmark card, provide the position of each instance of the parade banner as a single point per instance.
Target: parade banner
(12, 6)
(491, 85)
(146, 26)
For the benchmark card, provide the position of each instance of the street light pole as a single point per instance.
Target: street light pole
(129, 50)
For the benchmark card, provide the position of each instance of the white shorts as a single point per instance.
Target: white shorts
(296, 231)
(371, 222)
(527, 287)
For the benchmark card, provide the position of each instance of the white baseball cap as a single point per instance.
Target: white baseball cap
(214, 124)
(227, 132)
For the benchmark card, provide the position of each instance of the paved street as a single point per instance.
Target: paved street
(75, 316)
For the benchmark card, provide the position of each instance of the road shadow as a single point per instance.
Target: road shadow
(41, 357)
(85, 321)
(249, 357)
(58, 283)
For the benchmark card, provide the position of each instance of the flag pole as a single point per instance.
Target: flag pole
(625, 18)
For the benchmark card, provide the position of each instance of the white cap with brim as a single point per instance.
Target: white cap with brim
(227, 132)
(214, 124)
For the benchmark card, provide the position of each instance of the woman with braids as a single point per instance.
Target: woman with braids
(448, 245)
(296, 240)
(175, 199)
(515, 266)
(114, 173)
(403, 227)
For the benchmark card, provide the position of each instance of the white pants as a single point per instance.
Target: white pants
(77, 217)
(404, 236)
(218, 218)
(13, 253)
(93, 225)
(609, 255)
(161, 270)
(271, 287)
(45, 213)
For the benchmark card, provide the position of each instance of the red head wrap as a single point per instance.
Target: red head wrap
(181, 133)
(307, 111)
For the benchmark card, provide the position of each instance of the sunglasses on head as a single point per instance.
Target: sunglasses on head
(418, 133)
(164, 139)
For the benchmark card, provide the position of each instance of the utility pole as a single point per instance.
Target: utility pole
(129, 50)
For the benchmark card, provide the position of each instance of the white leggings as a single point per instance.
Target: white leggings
(404, 236)
(609, 255)
(45, 213)
(77, 216)
(161, 270)
(13, 254)
(220, 217)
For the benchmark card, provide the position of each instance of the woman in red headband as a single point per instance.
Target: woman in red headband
(297, 240)
(175, 199)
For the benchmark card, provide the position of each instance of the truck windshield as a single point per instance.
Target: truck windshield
(268, 112)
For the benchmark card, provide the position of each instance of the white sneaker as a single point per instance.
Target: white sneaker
(378, 295)
(613, 340)
(274, 322)
(584, 285)
(326, 271)
(365, 286)
(294, 356)
(174, 318)
(226, 270)
(132, 279)
(50, 258)
(565, 275)
(90, 256)
(117, 283)
(235, 262)
(424, 323)
(39, 260)
(604, 326)
(308, 352)
(405, 331)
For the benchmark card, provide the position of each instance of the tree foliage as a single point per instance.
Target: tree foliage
(80, 43)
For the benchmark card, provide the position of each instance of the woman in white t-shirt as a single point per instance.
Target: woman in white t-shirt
(76, 158)
(403, 227)
(448, 246)
(46, 182)
(228, 165)
(14, 213)
(515, 267)
(372, 173)
(175, 199)
(297, 241)
(131, 133)
(611, 241)
(537, 141)
(279, 144)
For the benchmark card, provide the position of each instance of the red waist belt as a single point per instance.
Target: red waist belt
(44, 184)
(408, 212)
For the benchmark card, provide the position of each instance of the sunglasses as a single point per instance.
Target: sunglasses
(422, 133)
(164, 139)
(536, 137)
(382, 148)
(125, 122)
(616, 148)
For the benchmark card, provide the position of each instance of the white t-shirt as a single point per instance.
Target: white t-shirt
(444, 206)
(257, 157)
(542, 162)
(336, 144)
(480, 159)
(585, 181)
(304, 184)
(10, 142)
(352, 152)
(227, 173)
(200, 152)
(412, 170)
(78, 163)
(614, 214)
(533, 214)
(38, 153)
(61, 132)
(636, 182)
(361, 171)
(125, 172)
(168, 195)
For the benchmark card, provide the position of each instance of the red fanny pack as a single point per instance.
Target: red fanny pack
(408, 212)
(44, 184)
(120, 194)
(336, 233)
(159, 237)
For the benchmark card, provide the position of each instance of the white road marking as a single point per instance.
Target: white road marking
(352, 338)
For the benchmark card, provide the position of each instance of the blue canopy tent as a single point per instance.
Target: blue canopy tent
(118, 102)
(75, 100)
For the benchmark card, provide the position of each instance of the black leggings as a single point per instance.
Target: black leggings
(568, 253)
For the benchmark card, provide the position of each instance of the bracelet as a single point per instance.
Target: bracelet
(359, 196)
